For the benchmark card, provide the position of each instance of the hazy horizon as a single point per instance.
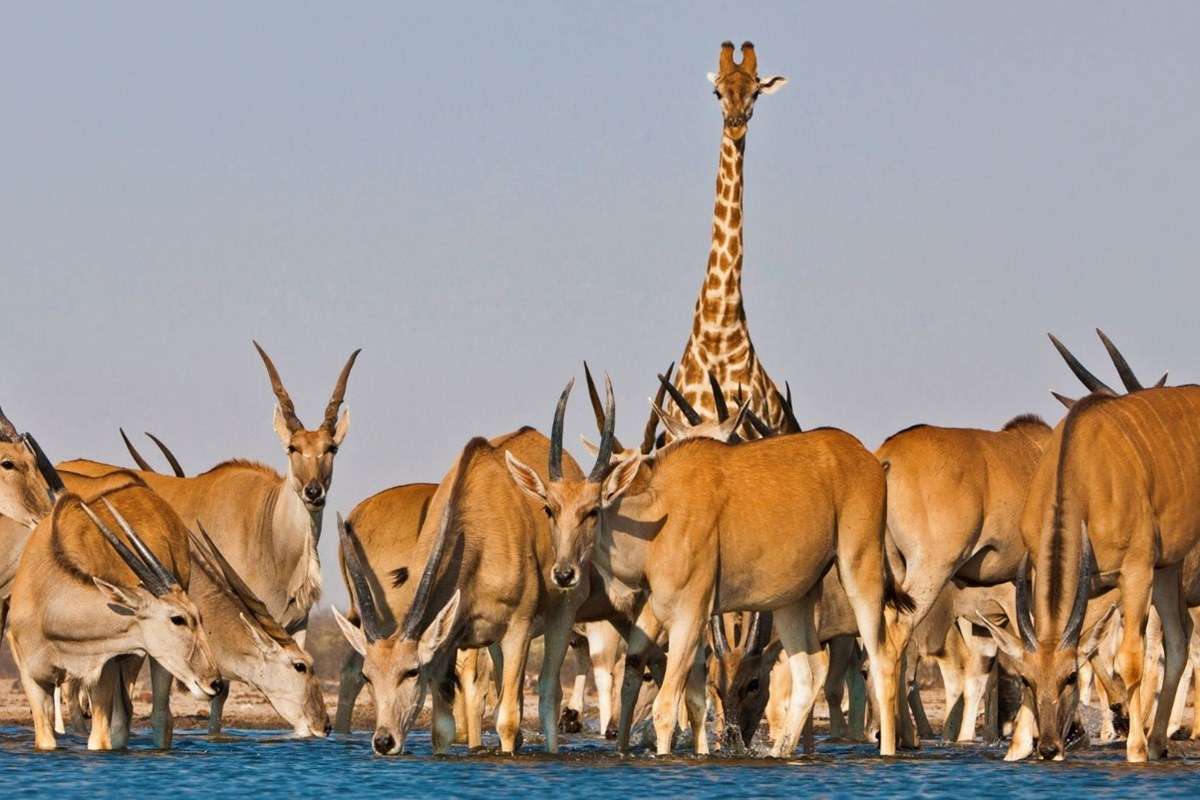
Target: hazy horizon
(483, 196)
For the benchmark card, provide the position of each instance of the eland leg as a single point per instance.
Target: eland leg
(351, 684)
(41, 700)
(1176, 630)
(556, 638)
(798, 634)
(160, 716)
(1135, 583)
(515, 650)
(683, 639)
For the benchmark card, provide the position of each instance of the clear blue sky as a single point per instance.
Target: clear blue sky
(481, 196)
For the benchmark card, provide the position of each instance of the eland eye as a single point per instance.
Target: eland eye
(291, 449)
(178, 619)
(752, 686)
(8, 464)
(300, 666)
(412, 673)
(1072, 679)
(592, 512)
(333, 448)
(549, 513)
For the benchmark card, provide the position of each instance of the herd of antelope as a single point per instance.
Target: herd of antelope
(732, 567)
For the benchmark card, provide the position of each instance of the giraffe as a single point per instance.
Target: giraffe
(719, 357)
(720, 341)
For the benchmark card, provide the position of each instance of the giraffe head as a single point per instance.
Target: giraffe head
(737, 86)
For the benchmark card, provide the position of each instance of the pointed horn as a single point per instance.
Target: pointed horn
(1083, 591)
(142, 463)
(607, 439)
(718, 633)
(749, 59)
(254, 607)
(760, 427)
(165, 576)
(49, 473)
(725, 60)
(556, 433)
(718, 397)
(166, 451)
(8, 431)
(680, 402)
(597, 406)
(1161, 381)
(760, 632)
(364, 598)
(441, 542)
(651, 429)
(143, 573)
(1024, 614)
(789, 410)
(1132, 384)
(737, 423)
(1062, 398)
(339, 393)
(749, 630)
(1089, 380)
(281, 396)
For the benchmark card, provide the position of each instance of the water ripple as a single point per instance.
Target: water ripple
(267, 764)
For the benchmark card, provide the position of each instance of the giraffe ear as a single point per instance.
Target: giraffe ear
(772, 84)
(712, 78)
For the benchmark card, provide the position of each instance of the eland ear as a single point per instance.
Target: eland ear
(352, 632)
(673, 426)
(281, 426)
(729, 428)
(439, 630)
(592, 448)
(1011, 645)
(342, 428)
(121, 600)
(265, 644)
(526, 479)
(772, 84)
(621, 478)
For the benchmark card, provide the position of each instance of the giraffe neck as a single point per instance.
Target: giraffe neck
(720, 341)
(720, 304)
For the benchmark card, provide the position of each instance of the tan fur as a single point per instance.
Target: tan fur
(707, 528)
(62, 625)
(24, 495)
(954, 499)
(497, 570)
(262, 655)
(387, 525)
(1125, 472)
(256, 519)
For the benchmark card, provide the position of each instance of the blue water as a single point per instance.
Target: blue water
(265, 764)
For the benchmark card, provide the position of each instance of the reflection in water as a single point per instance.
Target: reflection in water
(268, 764)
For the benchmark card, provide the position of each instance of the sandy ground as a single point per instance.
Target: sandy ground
(246, 708)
